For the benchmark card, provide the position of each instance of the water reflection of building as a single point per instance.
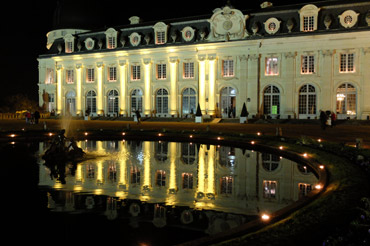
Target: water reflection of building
(193, 175)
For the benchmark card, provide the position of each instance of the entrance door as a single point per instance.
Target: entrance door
(228, 102)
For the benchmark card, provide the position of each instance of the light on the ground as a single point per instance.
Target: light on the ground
(258, 134)
(12, 135)
(318, 186)
(252, 142)
(281, 147)
(321, 166)
(86, 134)
(305, 155)
(191, 136)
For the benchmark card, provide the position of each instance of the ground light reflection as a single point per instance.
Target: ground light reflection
(172, 192)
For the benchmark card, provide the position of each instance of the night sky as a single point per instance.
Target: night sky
(24, 26)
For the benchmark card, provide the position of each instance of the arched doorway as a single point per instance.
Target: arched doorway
(162, 102)
(228, 102)
(271, 101)
(307, 102)
(70, 103)
(91, 102)
(346, 101)
(189, 101)
(113, 99)
(136, 101)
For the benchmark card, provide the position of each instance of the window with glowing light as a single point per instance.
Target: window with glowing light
(271, 66)
(49, 76)
(346, 99)
(69, 76)
(269, 189)
(228, 68)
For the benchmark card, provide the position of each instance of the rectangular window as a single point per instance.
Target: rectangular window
(269, 189)
(188, 70)
(111, 42)
(227, 185)
(347, 63)
(187, 181)
(69, 76)
(135, 72)
(228, 68)
(304, 189)
(69, 47)
(135, 175)
(308, 64)
(112, 74)
(271, 66)
(308, 23)
(160, 178)
(49, 76)
(90, 75)
(161, 38)
(161, 71)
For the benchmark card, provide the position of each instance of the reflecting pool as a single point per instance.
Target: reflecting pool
(165, 193)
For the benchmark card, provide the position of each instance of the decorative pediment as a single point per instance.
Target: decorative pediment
(227, 24)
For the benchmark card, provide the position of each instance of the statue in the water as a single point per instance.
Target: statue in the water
(58, 149)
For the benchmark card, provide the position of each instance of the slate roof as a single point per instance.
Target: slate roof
(200, 23)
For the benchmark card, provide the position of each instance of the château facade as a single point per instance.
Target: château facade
(284, 62)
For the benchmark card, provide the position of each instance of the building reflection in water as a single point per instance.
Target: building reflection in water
(217, 186)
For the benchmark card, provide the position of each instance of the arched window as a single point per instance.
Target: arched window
(188, 101)
(346, 100)
(137, 100)
(71, 103)
(270, 162)
(188, 153)
(91, 102)
(113, 100)
(307, 100)
(228, 102)
(162, 102)
(271, 100)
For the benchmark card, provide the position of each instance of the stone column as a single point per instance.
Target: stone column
(59, 96)
(100, 94)
(252, 84)
(364, 106)
(212, 84)
(147, 87)
(79, 96)
(123, 87)
(202, 83)
(328, 99)
(173, 89)
(288, 69)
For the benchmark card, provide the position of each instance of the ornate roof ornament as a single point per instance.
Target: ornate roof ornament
(227, 24)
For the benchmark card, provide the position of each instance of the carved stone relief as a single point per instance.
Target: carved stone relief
(227, 24)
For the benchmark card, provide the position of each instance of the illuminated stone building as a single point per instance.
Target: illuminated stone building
(284, 61)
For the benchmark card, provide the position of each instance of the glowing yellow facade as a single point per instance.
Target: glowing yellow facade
(276, 68)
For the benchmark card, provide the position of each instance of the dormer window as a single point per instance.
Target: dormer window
(160, 30)
(69, 43)
(308, 18)
(111, 37)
